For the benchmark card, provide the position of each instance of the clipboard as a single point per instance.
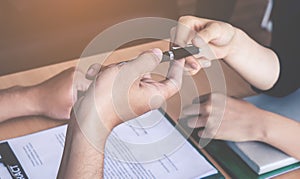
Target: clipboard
(40, 141)
(191, 141)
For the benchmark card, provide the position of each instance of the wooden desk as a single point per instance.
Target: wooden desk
(236, 86)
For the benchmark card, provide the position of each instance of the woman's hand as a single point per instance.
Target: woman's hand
(242, 121)
(255, 63)
(228, 119)
(201, 32)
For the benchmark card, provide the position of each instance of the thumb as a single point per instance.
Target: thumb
(93, 70)
(146, 62)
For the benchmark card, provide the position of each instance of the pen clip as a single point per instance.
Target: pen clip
(177, 47)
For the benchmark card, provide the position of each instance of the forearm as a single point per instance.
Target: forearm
(255, 63)
(282, 133)
(80, 158)
(19, 101)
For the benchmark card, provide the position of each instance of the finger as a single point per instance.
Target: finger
(183, 35)
(210, 32)
(166, 88)
(205, 133)
(204, 62)
(208, 134)
(202, 98)
(197, 110)
(80, 84)
(187, 28)
(191, 66)
(93, 71)
(146, 81)
(197, 122)
(173, 82)
(127, 81)
(191, 110)
(146, 76)
(172, 37)
(146, 62)
(200, 134)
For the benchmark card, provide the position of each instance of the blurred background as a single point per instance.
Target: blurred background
(35, 33)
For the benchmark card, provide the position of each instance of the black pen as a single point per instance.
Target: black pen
(178, 53)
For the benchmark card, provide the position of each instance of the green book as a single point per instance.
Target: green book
(235, 166)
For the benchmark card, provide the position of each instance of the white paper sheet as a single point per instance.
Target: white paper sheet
(38, 154)
(147, 147)
(155, 148)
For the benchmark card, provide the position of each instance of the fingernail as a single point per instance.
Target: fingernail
(157, 52)
(194, 65)
(205, 64)
(197, 41)
(91, 71)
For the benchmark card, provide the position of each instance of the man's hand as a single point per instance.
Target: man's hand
(119, 92)
(53, 98)
(123, 91)
(58, 94)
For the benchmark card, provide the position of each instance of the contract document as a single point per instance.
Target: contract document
(146, 147)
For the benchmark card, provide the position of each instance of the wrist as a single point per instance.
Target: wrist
(236, 44)
(37, 99)
(28, 96)
(91, 124)
(23, 100)
(265, 127)
(82, 139)
(78, 153)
